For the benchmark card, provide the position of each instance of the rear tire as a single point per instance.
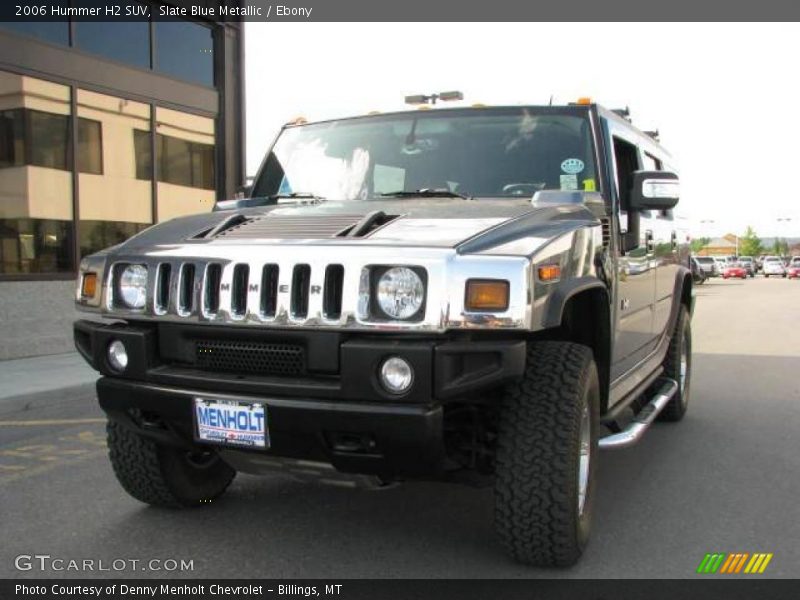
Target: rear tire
(162, 475)
(678, 366)
(547, 456)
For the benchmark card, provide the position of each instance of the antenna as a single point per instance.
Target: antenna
(625, 113)
(653, 134)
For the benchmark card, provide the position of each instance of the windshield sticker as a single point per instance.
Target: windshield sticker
(589, 185)
(573, 166)
(569, 182)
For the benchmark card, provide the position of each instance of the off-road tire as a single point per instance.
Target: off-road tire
(538, 456)
(163, 475)
(676, 408)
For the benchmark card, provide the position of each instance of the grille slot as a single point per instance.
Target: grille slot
(211, 289)
(254, 358)
(332, 298)
(241, 276)
(185, 292)
(161, 295)
(269, 290)
(301, 279)
(605, 225)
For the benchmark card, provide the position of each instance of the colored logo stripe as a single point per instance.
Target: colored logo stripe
(721, 562)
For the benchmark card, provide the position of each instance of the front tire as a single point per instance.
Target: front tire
(162, 475)
(678, 366)
(547, 456)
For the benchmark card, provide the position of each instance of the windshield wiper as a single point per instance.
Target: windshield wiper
(425, 193)
(297, 196)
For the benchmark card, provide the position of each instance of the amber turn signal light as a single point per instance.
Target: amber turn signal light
(549, 273)
(89, 285)
(487, 294)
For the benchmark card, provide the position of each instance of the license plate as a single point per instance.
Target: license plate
(231, 423)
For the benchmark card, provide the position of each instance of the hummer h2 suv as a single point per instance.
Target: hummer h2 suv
(484, 295)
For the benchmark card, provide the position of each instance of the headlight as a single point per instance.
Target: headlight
(132, 286)
(400, 293)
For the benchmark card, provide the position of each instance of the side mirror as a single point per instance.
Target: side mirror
(654, 190)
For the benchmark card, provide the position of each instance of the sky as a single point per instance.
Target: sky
(724, 97)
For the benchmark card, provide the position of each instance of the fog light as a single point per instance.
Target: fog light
(117, 356)
(396, 375)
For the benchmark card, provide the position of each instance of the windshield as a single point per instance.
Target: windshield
(476, 153)
(705, 260)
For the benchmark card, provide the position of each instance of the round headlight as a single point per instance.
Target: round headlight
(133, 286)
(117, 356)
(400, 293)
(396, 375)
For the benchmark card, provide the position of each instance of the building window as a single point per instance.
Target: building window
(41, 139)
(12, 138)
(35, 246)
(180, 162)
(97, 235)
(123, 41)
(46, 139)
(184, 50)
(56, 32)
(90, 146)
(143, 154)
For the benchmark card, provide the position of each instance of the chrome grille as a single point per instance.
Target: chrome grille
(195, 283)
(240, 291)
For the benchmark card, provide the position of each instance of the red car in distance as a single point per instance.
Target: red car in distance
(734, 270)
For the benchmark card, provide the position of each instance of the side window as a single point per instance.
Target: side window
(626, 156)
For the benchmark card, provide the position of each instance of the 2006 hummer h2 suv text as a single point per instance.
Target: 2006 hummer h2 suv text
(480, 295)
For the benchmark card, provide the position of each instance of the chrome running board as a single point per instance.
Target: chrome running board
(643, 419)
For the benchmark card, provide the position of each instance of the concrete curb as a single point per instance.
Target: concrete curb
(75, 395)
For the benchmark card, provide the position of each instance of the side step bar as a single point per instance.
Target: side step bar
(642, 421)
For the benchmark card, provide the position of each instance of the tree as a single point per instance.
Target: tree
(697, 243)
(750, 243)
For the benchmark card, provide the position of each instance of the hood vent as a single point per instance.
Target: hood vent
(284, 227)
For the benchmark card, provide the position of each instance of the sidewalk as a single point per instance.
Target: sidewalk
(30, 383)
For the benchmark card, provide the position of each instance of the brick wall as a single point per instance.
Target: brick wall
(36, 318)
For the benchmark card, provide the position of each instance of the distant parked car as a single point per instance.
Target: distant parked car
(698, 274)
(773, 266)
(722, 262)
(793, 270)
(760, 262)
(749, 264)
(734, 270)
(708, 265)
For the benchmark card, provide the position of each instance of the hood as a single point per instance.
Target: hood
(468, 225)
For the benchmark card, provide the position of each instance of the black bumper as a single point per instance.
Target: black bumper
(337, 412)
(397, 439)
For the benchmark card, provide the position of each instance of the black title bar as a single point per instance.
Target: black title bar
(402, 10)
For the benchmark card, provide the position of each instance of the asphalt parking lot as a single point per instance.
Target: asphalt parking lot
(723, 480)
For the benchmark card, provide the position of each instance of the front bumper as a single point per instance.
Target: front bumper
(398, 440)
(337, 412)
